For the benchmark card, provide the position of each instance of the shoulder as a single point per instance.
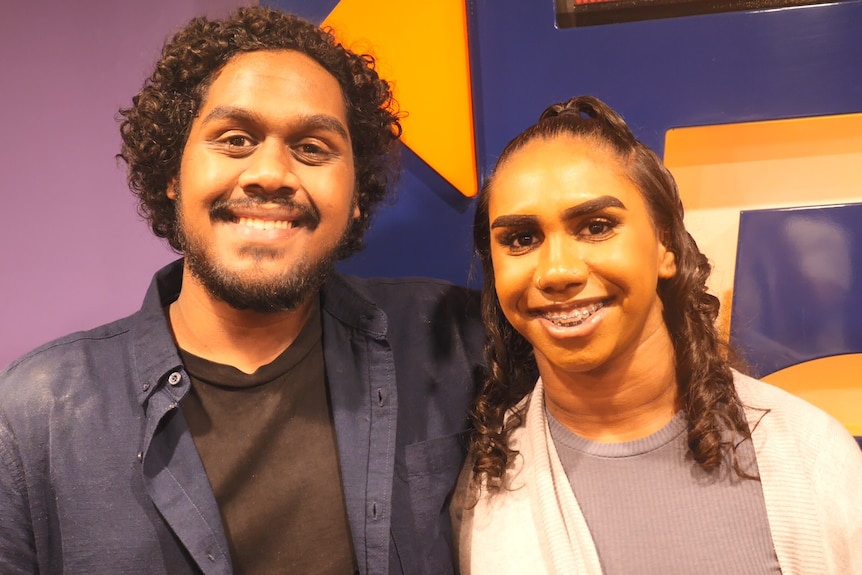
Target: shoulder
(406, 303)
(66, 351)
(43, 374)
(809, 466)
(495, 529)
(804, 429)
(793, 410)
(393, 293)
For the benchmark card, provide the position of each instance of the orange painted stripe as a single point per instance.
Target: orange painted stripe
(760, 141)
(831, 383)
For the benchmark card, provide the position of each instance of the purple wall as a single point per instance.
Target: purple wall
(74, 252)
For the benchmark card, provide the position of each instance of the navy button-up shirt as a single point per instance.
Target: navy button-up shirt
(99, 473)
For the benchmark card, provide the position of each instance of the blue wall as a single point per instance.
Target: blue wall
(662, 74)
(658, 74)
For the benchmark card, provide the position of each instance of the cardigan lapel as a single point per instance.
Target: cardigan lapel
(782, 482)
(563, 529)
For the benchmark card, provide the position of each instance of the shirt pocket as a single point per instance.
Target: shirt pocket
(435, 456)
(426, 479)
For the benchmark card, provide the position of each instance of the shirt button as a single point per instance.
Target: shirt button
(175, 378)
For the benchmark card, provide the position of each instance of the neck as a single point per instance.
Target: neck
(209, 328)
(628, 401)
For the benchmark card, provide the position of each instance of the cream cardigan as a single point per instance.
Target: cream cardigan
(810, 469)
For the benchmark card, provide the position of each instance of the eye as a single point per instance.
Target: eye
(522, 240)
(519, 241)
(597, 228)
(235, 143)
(312, 152)
(311, 149)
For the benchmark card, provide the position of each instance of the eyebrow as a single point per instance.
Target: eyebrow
(309, 122)
(594, 205)
(588, 207)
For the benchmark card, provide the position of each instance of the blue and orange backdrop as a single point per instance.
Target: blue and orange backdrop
(758, 114)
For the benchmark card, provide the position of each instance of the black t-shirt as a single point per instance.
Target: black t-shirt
(268, 445)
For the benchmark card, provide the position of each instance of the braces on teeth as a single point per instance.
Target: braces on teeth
(575, 318)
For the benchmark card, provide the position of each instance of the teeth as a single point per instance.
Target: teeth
(573, 318)
(265, 224)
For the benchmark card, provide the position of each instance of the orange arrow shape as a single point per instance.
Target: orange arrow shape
(422, 51)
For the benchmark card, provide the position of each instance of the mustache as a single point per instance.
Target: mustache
(224, 210)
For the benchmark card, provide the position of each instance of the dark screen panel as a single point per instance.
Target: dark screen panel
(572, 13)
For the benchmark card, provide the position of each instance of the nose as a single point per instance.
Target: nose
(561, 265)
(270, 170)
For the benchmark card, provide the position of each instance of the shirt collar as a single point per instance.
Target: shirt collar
(341, 297)
(154, 354)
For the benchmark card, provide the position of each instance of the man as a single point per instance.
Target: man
(260, 413)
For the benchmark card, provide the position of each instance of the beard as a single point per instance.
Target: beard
(258, 292)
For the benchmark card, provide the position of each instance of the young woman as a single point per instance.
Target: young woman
(612, 435)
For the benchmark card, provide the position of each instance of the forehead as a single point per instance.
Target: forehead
(276, 82)
(556, 173)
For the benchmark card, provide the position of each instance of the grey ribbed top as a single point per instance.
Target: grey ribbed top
(652, 510)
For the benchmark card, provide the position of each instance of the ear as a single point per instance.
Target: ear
(356, 211)
(666, 262)
(172, 190)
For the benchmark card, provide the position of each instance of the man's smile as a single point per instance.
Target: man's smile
(260, 224)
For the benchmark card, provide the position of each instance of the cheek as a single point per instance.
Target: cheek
(202, 176)
(338, 172)
(634, 261)
(334, 190)
(512, 278)
(509, 305)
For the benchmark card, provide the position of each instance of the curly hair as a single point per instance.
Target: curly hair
(704, 377)
(156, 127)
